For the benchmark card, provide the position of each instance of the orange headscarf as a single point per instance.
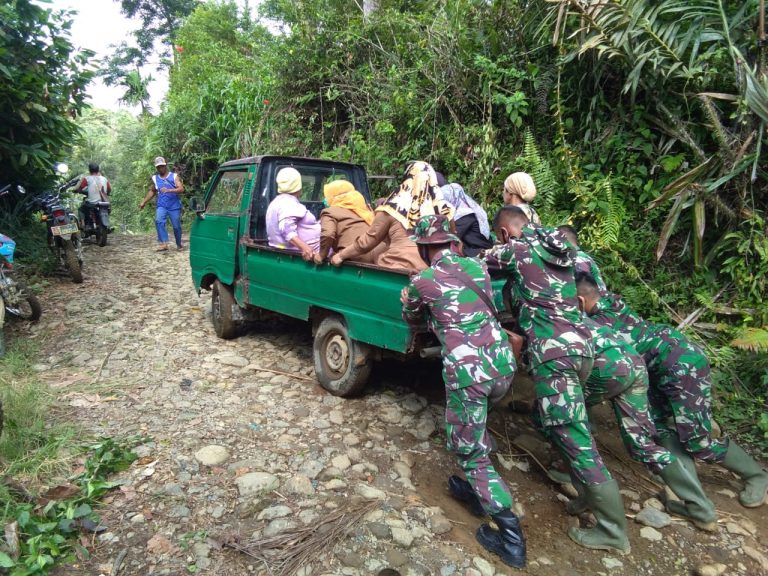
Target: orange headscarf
(342, 194)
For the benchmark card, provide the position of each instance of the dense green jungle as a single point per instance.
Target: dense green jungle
(643, 123)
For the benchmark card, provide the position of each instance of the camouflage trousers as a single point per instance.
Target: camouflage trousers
(466, 413)
(630, 406)
(680, 392)
(561, 415)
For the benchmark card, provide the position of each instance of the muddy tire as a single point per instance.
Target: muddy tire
(101, 235)
(72, 263)
(222, 303)
(342, 365)
(29, 309)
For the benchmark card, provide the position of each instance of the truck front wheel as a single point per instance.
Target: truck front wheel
(222, 303)
(342, 365)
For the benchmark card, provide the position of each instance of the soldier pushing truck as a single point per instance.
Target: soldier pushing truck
(585, 346)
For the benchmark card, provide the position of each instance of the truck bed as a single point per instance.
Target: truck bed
(367, 296)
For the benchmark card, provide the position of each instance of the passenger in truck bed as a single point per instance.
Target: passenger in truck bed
(290, 225)
(418, 195)
(471, 221)
(346, 217)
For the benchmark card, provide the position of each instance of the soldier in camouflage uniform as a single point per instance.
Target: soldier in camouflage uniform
(619, 375)
(540, 266)
(478, 366)
(583, 262)
(680, 392)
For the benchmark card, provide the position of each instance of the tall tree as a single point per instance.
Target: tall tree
(41, 92)
(160, 22)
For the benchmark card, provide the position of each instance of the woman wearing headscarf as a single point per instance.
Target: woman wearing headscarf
(470, 219)
(417, 196)
(289, 224)
(519, 190)
(346, 217)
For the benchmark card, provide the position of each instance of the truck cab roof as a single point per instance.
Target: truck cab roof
(287, 159)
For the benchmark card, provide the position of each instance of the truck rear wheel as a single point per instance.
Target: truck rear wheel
(222, 301)
(342, 365)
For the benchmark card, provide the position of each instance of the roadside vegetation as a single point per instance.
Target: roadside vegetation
(643, 124)
(50, 480)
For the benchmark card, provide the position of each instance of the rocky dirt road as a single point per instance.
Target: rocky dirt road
(245, 447)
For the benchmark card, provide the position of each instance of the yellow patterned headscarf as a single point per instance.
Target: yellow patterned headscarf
(342, 194)
(418, 195)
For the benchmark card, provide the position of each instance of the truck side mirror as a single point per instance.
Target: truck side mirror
(196, 205)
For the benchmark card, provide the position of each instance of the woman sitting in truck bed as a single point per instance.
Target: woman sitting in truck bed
(471, 221)
(289, 224)
(347, 217)
(394, 219)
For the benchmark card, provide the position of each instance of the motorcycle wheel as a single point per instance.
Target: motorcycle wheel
(101, 235)
(28, 309)
(73, 264)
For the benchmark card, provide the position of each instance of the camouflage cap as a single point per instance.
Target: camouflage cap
(433, 229)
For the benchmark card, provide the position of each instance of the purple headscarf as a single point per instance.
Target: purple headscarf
(464, 205)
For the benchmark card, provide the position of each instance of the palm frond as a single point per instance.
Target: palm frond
(655, 41)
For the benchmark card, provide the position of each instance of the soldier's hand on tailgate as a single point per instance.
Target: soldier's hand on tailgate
(404, 296)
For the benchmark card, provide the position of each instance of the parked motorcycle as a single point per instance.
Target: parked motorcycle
(95, 221)
(15, 300)
(63, 230)
(18, 302)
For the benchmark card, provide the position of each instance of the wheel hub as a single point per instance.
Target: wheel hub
(337, 353)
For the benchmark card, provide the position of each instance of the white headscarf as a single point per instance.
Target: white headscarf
(464, 205)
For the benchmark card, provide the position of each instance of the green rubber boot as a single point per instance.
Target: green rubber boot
(755, 478)
(694, 503)
(672, 443)
(610, 533)
(577, 505)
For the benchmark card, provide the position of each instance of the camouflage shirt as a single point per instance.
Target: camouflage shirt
(615, 362)
(540, 266)
(647, 337)
(612, 311)
(475, 349)
(583, 262)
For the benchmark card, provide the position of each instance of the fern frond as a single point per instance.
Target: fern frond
(752, 339)
(541, 172)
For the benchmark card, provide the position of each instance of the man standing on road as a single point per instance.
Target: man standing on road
(168, 187)
(478, 365)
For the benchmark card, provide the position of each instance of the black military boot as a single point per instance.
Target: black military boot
(508, 542)
(462, 491)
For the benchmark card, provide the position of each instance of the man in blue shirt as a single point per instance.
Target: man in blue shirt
(168, 187)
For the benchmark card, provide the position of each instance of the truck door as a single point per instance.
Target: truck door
(214, 237)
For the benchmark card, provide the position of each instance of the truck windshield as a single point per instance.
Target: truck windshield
(314, 178)
(226, 194)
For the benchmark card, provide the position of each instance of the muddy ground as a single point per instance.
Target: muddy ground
(356, 485)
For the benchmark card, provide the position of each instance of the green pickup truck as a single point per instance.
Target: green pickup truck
(354, 309)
